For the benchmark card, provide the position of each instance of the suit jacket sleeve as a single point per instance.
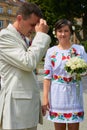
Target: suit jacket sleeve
(12, 53)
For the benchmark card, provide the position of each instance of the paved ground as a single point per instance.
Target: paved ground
(47, 125)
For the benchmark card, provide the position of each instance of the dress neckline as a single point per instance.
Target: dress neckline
(63, 50)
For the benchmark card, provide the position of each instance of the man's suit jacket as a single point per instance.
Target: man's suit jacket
(19, 97)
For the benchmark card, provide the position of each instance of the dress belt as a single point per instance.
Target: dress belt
(60, 78)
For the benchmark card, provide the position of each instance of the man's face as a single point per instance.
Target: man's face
(27, 26)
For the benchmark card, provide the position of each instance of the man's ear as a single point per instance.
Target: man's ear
(19, 18)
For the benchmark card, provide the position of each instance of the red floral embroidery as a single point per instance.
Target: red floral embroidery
(47, 72)
(53, 63)
(67, 115)
(53, 59)
(64, 78)
(80, 114)
(73, 50)
(67, 79)
(63, 57)
(53, 114)
(53, 56)
(55, 76)
(68, 57)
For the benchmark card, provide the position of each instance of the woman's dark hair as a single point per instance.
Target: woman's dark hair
(63, 22)
(26, 9)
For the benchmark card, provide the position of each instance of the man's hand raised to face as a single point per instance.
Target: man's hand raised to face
(42, 26)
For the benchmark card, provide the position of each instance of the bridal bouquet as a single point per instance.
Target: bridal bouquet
(76, 67)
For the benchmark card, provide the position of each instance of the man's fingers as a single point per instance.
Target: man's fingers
(42, 26)
(45, 23)
(42, 21)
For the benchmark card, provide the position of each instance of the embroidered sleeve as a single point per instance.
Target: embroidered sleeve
(47, 67)
(84, 54)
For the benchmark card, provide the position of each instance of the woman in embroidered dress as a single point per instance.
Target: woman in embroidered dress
(61, 96)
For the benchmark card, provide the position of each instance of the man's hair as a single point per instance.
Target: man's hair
(26, 9)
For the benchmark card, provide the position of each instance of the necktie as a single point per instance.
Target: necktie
(24, 38)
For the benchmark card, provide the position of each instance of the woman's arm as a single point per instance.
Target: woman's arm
(46, 88)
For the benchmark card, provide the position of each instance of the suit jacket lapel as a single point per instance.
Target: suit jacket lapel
(17, 35)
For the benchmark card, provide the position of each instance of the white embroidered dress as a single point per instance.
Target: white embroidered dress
(65, 97)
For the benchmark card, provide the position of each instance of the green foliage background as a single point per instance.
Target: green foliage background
(54, 10)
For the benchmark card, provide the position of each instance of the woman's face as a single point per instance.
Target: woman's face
(63, 34)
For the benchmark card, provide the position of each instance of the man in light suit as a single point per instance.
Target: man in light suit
(19, 96)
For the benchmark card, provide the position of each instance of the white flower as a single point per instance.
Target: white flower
(54, 33)
(76, 65)
(73, 67)
(73, 28)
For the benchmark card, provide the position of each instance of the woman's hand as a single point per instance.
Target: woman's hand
(45, 108)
